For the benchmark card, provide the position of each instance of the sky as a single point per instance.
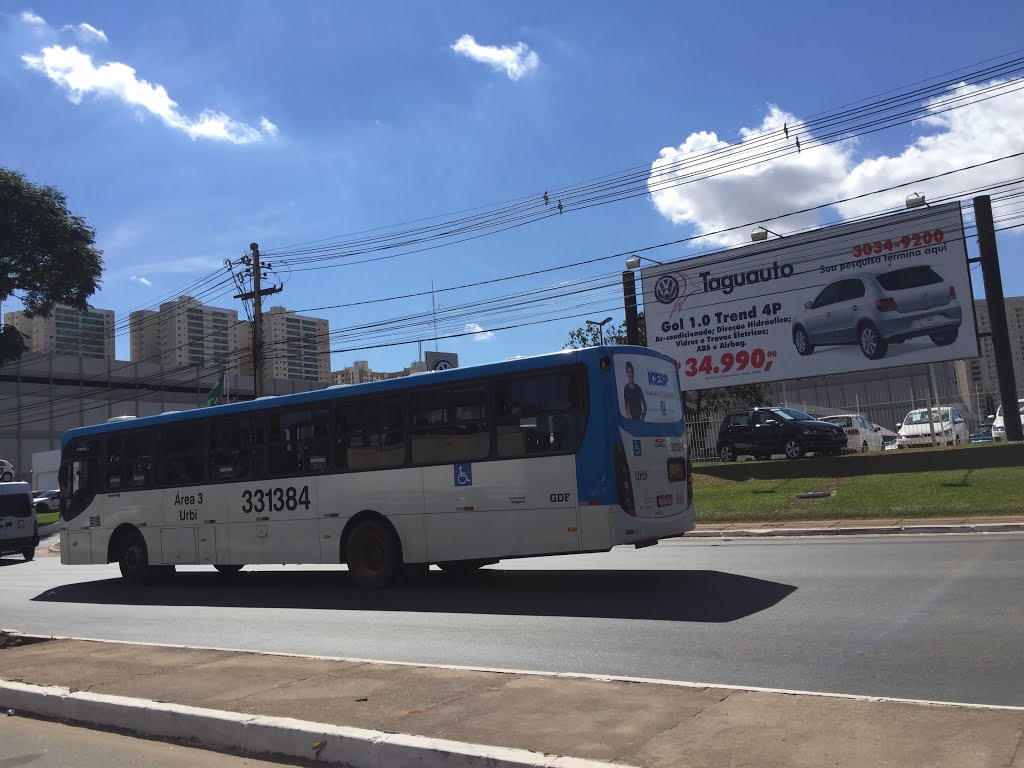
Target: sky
(184, 131)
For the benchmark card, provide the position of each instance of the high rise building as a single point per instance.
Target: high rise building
(68, 331)
(186, 332)
(296, 347)
(981, 371)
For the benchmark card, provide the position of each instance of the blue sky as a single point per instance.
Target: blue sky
(184, 131)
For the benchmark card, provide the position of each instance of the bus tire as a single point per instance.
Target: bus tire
(228, 568)
(28, 553)
(133, 557)
(373, 555)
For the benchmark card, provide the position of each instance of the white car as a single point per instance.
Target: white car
(999, 423)
(949, 427)
(6, 471)
(861, 434)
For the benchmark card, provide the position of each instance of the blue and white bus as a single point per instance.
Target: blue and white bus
(564, 453)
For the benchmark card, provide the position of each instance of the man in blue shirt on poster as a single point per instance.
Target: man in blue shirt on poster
(633, 397)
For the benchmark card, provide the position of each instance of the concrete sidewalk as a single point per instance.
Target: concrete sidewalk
(650, 724)
(895, 525)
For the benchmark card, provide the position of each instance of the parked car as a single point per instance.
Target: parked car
(982, 434)
(949, 427)
(46, 502)
(861, 434)
(876, 309)
(6, 471)
(999, 423)
(764, 432)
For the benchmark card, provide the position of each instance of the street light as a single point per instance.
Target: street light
(916, 201)
(600, 327)
(633, 262)
(761, 233)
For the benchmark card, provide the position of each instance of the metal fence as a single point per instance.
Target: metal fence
(703, 428)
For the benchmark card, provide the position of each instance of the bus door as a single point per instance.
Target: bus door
(651, 460)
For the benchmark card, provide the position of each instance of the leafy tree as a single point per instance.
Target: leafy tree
(47, 254)
(697, 401)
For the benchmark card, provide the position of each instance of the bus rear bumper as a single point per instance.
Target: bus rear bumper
(648, 530)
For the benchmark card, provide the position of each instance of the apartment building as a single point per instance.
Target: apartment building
(296, 347)
(68, 331)
(185, 332)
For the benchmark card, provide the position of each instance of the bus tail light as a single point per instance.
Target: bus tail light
(623, 482)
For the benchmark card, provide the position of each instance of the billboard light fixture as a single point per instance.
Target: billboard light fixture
(915, 200)
(633, 262)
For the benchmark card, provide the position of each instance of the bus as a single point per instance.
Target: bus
(570, 452)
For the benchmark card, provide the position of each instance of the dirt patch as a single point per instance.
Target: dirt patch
(16, 641)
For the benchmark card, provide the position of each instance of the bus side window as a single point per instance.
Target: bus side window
(450, 426)
(236, 449)
(369, 434)
(299, 441)
(539, 414)
(129, 461)
(179, 451)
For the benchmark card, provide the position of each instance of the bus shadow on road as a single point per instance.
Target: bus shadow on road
(698, 596)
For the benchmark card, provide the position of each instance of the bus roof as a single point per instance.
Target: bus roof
(452, 375)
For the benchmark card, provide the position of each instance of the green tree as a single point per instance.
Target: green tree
(47, 254)
(696, 401)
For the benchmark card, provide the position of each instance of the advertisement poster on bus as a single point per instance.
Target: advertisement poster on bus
(893, 290)
(647, 388)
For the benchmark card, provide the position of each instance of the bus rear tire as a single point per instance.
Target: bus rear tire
(373, 555)
(228, 568)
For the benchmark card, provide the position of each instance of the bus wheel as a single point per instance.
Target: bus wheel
(229, 568)
(133, 558)
(28, 553)
(373, 555)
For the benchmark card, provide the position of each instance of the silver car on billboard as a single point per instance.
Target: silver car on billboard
(876, 309)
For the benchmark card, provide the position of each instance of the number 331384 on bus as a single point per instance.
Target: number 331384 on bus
(275, 499)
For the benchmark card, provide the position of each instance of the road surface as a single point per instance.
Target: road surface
(922, 617)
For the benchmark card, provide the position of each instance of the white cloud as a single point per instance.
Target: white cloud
(479, 334)
(820, 174)
(516, 60)
(30, 18)
(141, 280)
(75, 72)
(87, 33)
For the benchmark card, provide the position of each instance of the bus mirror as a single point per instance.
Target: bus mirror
(62, 476)
(991, 418)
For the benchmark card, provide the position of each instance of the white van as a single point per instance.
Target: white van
(19, 531)
(999, 423)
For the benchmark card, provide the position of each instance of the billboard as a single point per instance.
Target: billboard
(893, 290)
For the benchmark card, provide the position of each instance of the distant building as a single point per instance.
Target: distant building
(360, 373)
(185, 332)
(297, 347)
(981, 372)
(68, 331)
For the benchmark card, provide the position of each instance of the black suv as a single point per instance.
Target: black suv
(762, 432)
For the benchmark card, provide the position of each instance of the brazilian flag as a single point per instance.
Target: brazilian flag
(217, 391)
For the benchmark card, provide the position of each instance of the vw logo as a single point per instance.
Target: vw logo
(666, 290)
(443, 365)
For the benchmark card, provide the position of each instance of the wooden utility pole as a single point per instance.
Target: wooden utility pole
(257, 294)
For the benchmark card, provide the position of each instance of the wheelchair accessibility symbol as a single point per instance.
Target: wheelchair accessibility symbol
(463, 475)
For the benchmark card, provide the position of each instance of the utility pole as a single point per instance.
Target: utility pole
(629, 304)
(993, 280)
(256, 294)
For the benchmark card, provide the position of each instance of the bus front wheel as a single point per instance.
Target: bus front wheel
(133, 560)
(373, 555)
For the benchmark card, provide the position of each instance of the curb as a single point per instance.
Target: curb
(858, 531)
(259, 735)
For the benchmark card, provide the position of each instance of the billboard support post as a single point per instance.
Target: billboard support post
(993, 281)
(933, 402)
(629, 303)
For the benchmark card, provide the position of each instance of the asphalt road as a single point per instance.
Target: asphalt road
(923, 617)
(40, 744)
